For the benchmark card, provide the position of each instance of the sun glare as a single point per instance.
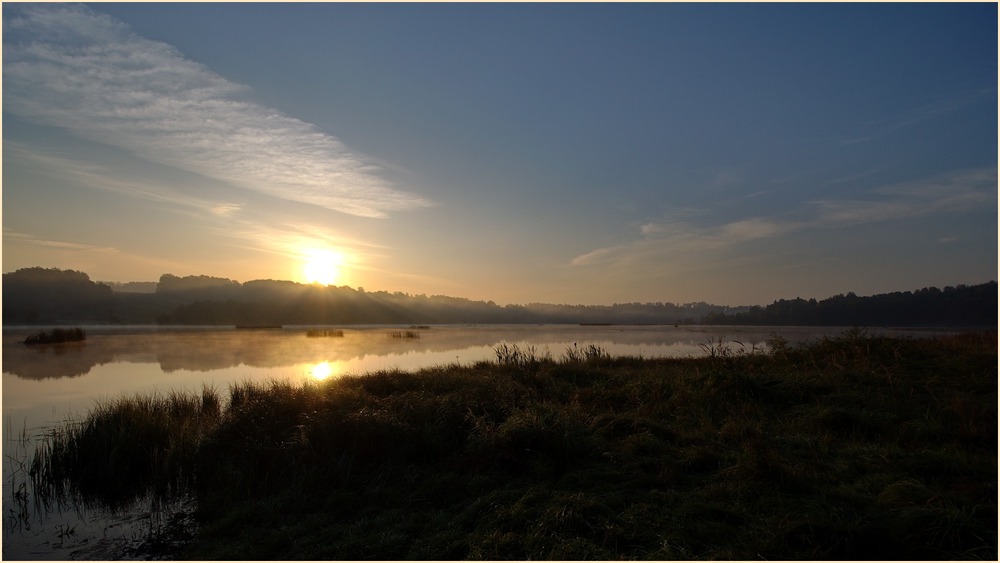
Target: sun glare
(322, 371)
(322, 266)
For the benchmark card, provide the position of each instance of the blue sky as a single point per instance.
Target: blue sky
(566, 153)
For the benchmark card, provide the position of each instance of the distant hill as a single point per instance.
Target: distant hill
(963, 305)
(131, 287)
(53, 296)
(49, 295)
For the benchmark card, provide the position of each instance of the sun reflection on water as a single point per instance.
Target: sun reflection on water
(323, 370)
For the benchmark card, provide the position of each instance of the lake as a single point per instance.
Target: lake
(45, 385)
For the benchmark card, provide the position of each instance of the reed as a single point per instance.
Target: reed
(324, 333)
(589, 354)
(514, 355)
(126, 448)
(404, 334)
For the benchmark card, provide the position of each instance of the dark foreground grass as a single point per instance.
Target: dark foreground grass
(857, 447)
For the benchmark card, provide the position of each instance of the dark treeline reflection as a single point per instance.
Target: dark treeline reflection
(206, 350)
(69, 359)
(194, 351)
(52, 296)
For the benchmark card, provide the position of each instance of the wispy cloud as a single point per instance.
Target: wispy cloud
(71, 67)
(674, 238)
(27, 238)
(961, 191)
(28, 249)
(242, 226)
(926, 112)
(671, 239)
(100, 177)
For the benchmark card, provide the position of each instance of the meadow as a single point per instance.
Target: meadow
(852, 447)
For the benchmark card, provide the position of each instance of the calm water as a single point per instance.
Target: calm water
(45, 385)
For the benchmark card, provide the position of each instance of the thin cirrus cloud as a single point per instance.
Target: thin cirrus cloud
(58, 244)
(99, 177)
(284, 236)
(243, 227)
(958, 192)
(669, 239)
(70, 67)
(924, 113)
(81, 255)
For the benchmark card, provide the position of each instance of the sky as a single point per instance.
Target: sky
(559, 153)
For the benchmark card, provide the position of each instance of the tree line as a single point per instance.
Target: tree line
(962, 305)
(54, 296)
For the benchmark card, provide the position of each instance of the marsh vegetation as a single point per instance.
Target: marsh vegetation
(854, 447)
(403, 334)
(324, 333)
(56, 336)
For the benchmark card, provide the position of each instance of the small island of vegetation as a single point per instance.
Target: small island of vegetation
(56, 336)
(855, 447)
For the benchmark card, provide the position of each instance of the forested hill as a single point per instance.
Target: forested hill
(963, 305)
(53, 296)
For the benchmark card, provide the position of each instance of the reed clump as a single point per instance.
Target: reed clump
(404, 334)
(56, 336)
(127, 448)
(588, 354)
(324, 333)
(856, 447)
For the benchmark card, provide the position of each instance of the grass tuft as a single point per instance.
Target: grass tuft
(127, 448)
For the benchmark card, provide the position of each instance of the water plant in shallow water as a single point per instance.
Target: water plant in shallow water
(404, 334)
(324, 333)
(56, 335)
(126, 448)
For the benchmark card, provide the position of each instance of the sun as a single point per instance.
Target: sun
(322, 371)
(322, 266)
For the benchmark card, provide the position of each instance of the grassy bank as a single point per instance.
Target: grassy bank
(857, 447)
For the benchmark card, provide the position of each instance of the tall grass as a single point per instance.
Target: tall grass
(126, 448)
(591, 353)
(514, 355)
(856, 447)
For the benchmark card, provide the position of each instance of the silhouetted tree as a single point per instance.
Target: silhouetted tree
(53, 296)
(972, 306)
